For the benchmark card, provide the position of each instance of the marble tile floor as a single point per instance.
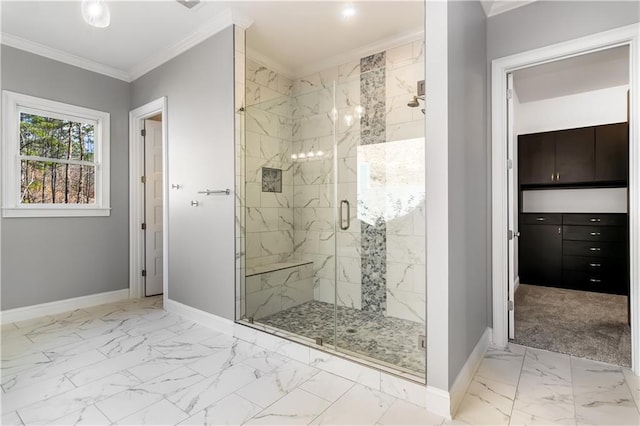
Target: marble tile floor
(133, 363)
(391, 340)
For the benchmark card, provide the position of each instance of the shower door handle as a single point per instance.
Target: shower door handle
(342, 221)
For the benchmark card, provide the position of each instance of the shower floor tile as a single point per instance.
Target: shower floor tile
(390, 340)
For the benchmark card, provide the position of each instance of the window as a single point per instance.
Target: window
(55, 159)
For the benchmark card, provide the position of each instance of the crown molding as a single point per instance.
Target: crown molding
(496, 7)
(60, 56)
(342, 58)
(221, 21)
(356, 54)
(240, 19)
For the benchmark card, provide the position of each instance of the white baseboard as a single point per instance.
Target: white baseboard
(439, 402)
(462, 382)
(516, 284)
(59, 306)
(201, 317)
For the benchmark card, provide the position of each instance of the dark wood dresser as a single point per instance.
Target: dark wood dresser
(582, 251)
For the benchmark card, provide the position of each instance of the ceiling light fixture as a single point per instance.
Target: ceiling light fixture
(348, 12)
(96, 13)
(188, 3)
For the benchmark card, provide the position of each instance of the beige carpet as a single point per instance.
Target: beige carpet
(581, 323)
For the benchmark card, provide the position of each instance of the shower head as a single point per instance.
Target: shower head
(413, 103)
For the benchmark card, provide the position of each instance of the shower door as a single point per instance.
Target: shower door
(380, 227)
(334, 210)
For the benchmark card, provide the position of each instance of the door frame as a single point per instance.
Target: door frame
(136, 196)
(628, 35)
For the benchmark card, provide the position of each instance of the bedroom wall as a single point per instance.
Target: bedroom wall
(49, 259)
(199, 85)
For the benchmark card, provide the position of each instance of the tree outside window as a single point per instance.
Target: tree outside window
(55, 158)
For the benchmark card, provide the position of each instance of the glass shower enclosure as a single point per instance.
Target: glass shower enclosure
(332, 213)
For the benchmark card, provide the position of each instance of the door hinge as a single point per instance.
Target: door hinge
(143, 132)
(144, 272)
(511, 305)
(509, 163)
(509, 93)
(143, 179)
(144, 226)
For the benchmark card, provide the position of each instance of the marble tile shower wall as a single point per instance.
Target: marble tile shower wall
(287, 118)
(405, 257)
(403, 281)
(269, 129)
(314, 180)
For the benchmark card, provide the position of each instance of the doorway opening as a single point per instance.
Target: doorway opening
(148, 199)
(565, 242)
(570, 210)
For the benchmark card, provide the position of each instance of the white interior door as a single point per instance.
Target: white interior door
(512, 206)
(153, 207)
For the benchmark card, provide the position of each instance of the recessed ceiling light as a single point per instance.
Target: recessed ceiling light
(348, 11)
(95, 13)
(189, 3)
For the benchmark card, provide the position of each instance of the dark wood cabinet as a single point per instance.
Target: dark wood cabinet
(583, 251)
(536, 153)
(595, 252)
(575, 155)
(612, 153)
(587, 156)
(540, 253)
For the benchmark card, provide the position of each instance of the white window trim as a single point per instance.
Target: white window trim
(14, 102)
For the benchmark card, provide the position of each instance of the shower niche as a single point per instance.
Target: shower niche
(335, 257)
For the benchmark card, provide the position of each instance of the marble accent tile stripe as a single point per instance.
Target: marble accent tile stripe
(373, 263)
(373, 126)
(372, 62)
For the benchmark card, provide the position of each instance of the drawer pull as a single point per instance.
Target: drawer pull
(540, 219)
(595, 265)
(595, 234)
(595, 280)
(594, 248)
(594, 219)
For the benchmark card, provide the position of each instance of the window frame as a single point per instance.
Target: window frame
(15, 103)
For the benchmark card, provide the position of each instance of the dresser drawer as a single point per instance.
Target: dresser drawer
(541, 218)
(600, 219)
(594, 282)
(594, 249)
(594, 233)
(600, 265)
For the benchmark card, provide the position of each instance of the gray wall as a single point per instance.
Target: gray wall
(199, 86)
(469, 195)
(543, 23)
(48, 259)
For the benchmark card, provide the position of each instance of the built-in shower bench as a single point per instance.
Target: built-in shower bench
(278, 286)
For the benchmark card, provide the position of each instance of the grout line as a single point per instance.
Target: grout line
(326, 409)
(636, 401)
(515, 397)
(101, 412)
(18, 414)
(573, 391)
